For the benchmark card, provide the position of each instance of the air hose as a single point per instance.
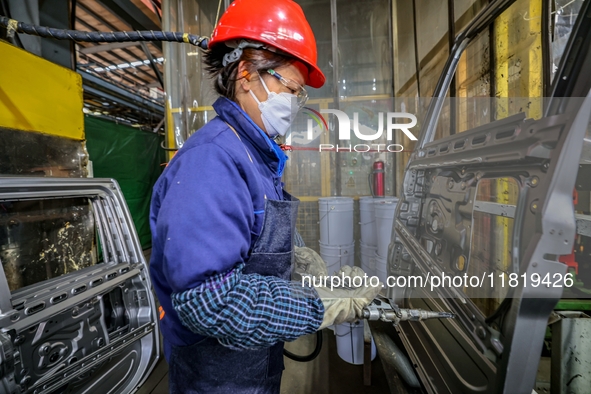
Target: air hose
(13, 26)
(311, 356)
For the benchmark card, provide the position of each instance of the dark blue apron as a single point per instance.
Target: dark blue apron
(207, 366)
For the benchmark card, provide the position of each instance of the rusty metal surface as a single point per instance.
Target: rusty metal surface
(571, 355)
(28, 153)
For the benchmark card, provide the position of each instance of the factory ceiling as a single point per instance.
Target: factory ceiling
(131, 67)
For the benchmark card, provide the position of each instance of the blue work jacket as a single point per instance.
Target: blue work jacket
(208, 207)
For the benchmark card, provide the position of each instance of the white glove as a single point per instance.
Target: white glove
(307, 263)
(346, 305)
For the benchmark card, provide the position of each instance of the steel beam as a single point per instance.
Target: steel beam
(109, 62)
(106, 96)
(26, 11)
(131, 15)
(335, 80)
(494, 208)
(100, 87)
(123, 48)
(56, 14)
(153, 64)
(107, 47)
(506, 210)
(583, 224)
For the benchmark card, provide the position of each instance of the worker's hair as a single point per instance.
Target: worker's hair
(224, 77)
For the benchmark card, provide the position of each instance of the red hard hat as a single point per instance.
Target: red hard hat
(278, 23)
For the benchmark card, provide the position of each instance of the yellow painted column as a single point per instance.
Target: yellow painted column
(536, 66)
(518, 88)
(169, 133)
(38, 95)
(502, 52)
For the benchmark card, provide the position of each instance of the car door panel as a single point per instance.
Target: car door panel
(79, 324)
(446, 207)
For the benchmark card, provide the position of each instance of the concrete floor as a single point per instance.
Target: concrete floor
(327, 374)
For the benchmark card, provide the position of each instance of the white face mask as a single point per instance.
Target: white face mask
(278, 111)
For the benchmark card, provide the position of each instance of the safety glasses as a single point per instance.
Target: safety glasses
(297, 89)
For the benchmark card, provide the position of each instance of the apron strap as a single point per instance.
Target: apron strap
(253, 238)
(246, 150)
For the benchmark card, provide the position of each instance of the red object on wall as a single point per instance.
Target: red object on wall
(575, 197)
(570, 262)
(569, 259)
(378, 179)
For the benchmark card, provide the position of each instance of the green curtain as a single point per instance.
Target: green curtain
(132, 157)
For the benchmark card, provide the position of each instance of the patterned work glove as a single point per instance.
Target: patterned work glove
(307, 263)
(346, 304)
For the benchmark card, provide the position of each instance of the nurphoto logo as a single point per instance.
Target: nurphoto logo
(316, 123)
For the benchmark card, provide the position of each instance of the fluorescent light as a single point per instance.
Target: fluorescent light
(138, 63)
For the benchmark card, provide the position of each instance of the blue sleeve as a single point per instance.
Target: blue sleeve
(249, 311)
(205, 216)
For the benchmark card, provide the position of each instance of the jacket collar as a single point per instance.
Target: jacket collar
(256, 138)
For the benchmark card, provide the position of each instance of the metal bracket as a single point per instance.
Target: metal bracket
(385, 309)
(7, 379)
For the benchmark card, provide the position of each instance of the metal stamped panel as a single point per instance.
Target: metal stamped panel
(88, 328)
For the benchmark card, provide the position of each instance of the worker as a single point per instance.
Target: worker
(222, 225)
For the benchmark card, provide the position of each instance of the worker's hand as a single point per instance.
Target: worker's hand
(307, 263)
(346, 304)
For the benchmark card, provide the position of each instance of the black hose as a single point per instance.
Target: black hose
(97, 36)
(311, 356)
